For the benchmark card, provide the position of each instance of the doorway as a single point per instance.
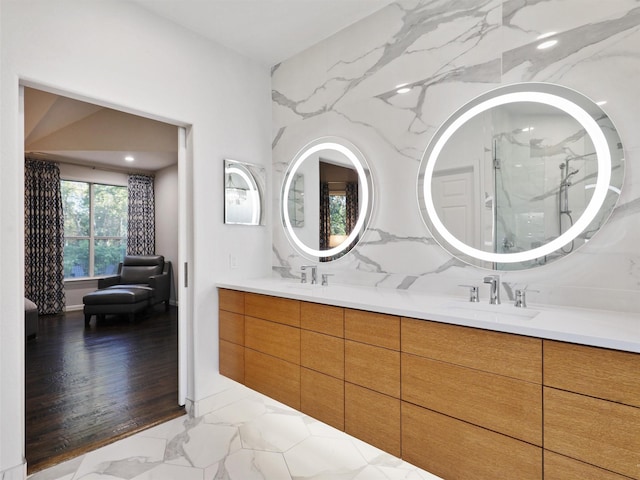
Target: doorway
(52, 122)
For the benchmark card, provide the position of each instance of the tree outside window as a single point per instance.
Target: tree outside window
(95, 228)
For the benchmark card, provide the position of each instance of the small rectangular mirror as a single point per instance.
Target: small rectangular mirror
(244, 186)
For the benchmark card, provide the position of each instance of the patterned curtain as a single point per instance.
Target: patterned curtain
(141, 234)
(351, 202)
(325, 216)
(44, 236)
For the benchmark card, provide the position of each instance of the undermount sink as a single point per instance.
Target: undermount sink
(486, 311)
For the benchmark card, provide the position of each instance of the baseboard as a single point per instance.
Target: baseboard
(18, 472)
(73, 308)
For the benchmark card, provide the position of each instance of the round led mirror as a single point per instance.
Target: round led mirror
(520, 176)
(327, 199)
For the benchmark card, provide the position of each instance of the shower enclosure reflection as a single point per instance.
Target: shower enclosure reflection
(517, 176)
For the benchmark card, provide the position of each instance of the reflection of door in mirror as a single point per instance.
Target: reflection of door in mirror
(339, 204)
(453, 195)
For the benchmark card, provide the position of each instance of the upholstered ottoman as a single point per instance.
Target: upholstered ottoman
(30, 319)
(126, 300)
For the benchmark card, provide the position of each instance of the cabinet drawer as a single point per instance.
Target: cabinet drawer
(456, 450)
(597, 372)
(373, 418)
(503, 404)
(322, 353)
(372, 328)
(276, 309)
(322, 318)
(231, 327)
(559, 467)
(322, 397)
(272, 338)
(598, 432)
(372, 367)
(275, 378)
(502, 353)
(231, 300)
(232, 361)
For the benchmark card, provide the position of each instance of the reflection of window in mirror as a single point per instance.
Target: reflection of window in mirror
(338, 203)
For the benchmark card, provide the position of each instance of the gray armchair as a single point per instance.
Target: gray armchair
(142, 281)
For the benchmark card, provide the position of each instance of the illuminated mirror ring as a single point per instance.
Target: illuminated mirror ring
(597, 200)
(357, 159)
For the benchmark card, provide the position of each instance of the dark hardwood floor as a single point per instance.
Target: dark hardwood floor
(86, 388)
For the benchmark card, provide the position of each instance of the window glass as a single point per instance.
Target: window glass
(76, 258)
(76, 206)
(110, 211)
(93, 252)
(108, 253)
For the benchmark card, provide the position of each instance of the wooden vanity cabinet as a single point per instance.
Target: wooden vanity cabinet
(461, 402)
(484, 418)
(272, 347)
(372, 379)
(592, 407)
(322, 363)
(231, 334)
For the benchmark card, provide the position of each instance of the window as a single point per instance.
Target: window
(95, 228)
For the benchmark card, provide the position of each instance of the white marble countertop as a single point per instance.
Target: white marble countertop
(599, 328)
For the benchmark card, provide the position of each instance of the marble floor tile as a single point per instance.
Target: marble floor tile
(246, 436)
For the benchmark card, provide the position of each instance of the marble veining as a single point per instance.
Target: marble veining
(448, 52)
(246, 436)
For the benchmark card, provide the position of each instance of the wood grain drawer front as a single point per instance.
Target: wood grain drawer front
(372, 367)
(597, 372)
(232, 361)
(322, 397)
(231, 327)
(559, 467)
(456, 450)
(502, 353)
(276, 309)
(272, 338)
(372, 328)
(502, 404)
(322, 353)
(231, 300)
(595, 431)
(373, 418)
(275, 378)
(322, 318)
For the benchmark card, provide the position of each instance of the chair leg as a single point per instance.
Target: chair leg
(132, 317)
(87, 319)
(166, 305)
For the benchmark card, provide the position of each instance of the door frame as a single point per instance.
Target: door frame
(185, 215)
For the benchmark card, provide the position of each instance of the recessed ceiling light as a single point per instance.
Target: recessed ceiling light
(403, 88)
(129, 158)
(546, 35)
(547, 44)
(527, 129)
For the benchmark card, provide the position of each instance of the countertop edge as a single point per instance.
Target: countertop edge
(605, 329)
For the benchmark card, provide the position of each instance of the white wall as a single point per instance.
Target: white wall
(119, 55)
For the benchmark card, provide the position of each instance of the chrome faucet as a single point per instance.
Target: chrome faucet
(314, 274)
(494, 290)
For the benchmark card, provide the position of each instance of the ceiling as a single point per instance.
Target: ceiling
(267, 31)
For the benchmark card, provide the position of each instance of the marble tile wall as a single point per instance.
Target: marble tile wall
(450, 51)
